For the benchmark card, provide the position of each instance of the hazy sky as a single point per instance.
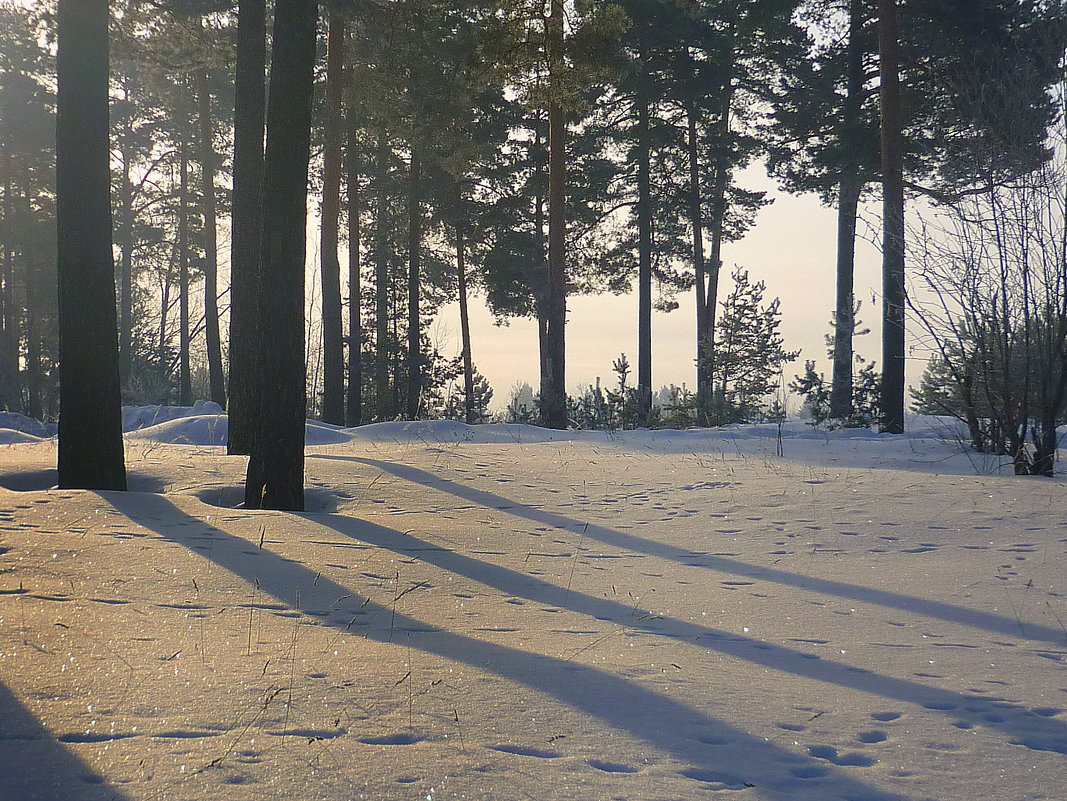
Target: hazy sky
(792, 248)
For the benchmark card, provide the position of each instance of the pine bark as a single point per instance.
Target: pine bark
(554, 389)
(125, 192)
(414, 360)
(333, 358)
(10, 380)
(706, 401)
(185, 380)
(892, 389)
(696, 224)
(644, 257)
(354, 412)
(275, 477)
(849, 189)
(383, 398)
(216, 375)
(246, 240)
(90, 427)
(464, 313)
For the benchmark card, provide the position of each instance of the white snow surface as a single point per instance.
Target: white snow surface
(506, 612)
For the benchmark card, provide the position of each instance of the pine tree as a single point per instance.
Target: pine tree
(90, 433)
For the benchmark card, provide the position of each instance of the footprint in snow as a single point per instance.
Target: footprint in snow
(522, 750)
(611, 767)
(870, 737)
(830, 754)
(885, 717)
(391, 739)
(714, 779)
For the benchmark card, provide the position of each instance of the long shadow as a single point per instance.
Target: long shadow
(1024, 726)
(36, 767)
(997, 624)
(655, 718)
(38, 480)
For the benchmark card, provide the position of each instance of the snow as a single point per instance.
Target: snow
(505, 612)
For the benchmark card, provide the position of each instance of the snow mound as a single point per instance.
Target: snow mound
(137, 417)
(10, 436)
(14, 421)
(453, 431)
(212, 429)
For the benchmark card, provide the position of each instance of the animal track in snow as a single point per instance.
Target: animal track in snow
(611, 767)
(522, 750)
(830, 754)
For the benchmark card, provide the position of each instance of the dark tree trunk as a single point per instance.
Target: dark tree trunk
(706, 401)
(554, 390)
(414, 268)
(185, 379)
(333, 357)
(34, 315)
(246, 219)
(10, 381)
(216, 376)
(644, 258)
(125, 258)
(696, 223)
(540, 287)
(464, 315)
(848, 199)
(90, 426)
(381, 288)
(849, 190)
(892, 390)
(276, 465)
(355, 320)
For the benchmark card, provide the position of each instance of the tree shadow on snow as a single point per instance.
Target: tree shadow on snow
(35, 766)
(40, 480)
(996, 624)
(659, 720)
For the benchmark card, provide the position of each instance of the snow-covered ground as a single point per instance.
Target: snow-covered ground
(504, 612)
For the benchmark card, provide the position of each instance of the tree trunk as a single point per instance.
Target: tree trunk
(892, 389)
(355, 322)
(696, 224)
(10, 381)
(90, 427)
(381, 288)
(125, 257)
(275, 477)
(849, 189)
(333, 357)
(216, 377)
(464, 316)
(246, 219)
(644, 259)
(185, 379)
(540, 284)
(845, 323)
(414, 266)
(706, 400)
(34, 364)
(554, 390)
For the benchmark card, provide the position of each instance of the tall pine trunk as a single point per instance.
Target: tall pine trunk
(34, 314)
(849, 189)
(246, 219)
(216, 376)
(709, 408)
(10, 306)
(275, 477)
(554, 389)
(414, 363)
(185, 379)
(892, 389)
(696, 224)
(333, 357)
(383, 398)
(464, 314)
(125, 193)
(354, 412)
(90, 425)
(644, 256)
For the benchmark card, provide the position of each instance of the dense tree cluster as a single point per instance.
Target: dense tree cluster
(523, 150)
